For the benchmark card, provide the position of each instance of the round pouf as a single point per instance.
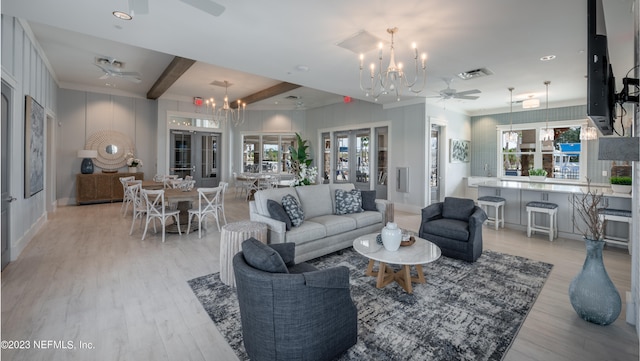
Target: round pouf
(231, 238)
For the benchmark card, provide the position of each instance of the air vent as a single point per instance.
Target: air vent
(361, 42)
(475, 73)
(220, 83)
(292, 97)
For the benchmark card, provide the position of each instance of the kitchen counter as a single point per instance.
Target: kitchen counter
(518, 194)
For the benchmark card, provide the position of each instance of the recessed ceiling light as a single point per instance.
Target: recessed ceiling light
(122, 15)
(548, 57)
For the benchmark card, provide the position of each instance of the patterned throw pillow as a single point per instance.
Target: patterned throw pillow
(293, 209)
(348, 202)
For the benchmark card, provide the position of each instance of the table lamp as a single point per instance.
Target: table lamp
(87, 163)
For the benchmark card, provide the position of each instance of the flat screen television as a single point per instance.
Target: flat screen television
(601, 88)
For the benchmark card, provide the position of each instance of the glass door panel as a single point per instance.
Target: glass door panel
(182, 163)
(285, 154)
(269, 154)
(362, 159)
(382, 141)
(325, 167)
(207, 174)
(342, 158)
(434, 178)
(251, 154)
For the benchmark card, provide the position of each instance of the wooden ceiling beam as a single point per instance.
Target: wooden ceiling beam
(266, 93)
(173, 72)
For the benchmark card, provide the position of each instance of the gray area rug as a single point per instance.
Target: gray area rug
(465, 311)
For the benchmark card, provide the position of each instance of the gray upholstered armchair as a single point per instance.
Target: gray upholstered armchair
(292, 311)
(455, 225)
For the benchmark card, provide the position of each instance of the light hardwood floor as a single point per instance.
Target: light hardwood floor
(84, 279)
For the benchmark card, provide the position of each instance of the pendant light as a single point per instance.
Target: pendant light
(512, 137)
(546, 134)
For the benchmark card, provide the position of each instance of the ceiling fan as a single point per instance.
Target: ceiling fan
(112, 68)
(450, 93)
(141, 7)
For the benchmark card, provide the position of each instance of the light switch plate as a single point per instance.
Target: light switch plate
(604, 173)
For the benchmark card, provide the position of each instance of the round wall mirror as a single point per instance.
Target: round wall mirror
(112, 149)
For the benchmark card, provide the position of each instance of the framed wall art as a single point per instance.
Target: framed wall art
(459, 151)
(33, 147)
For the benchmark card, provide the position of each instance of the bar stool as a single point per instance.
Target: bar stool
(497, 202)
(616, 215)
(545, 208)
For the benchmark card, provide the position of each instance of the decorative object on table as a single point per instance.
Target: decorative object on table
(112, 147)
(132, 162)
(459, 151)
(391, 236)
(537, 175)
(409, 242)
(33, 147)
(592, 293)
(510, 287)
(621, 184)
(86, 167)
(303, 172)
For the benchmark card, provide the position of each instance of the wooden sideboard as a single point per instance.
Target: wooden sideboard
(101, 187)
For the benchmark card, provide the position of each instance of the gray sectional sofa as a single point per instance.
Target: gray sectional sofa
(322, 231)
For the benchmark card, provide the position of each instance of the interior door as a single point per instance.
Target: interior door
(6, 197)
(196, 154)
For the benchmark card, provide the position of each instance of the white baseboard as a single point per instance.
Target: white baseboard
(23, 241)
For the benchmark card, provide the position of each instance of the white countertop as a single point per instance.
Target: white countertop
(550, 187)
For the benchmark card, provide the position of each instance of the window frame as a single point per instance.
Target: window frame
(260, 150)
(538, 153)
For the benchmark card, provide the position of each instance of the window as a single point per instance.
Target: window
(561, 157)
(267, 153)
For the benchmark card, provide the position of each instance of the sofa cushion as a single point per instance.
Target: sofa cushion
(448, 228)
(334, 224)
(369, 200)
(277, 212)
(348, 202)
(315, 200)
(366, 218)
(458, 208)
(293, 209)
(260, 256)
(307, 232)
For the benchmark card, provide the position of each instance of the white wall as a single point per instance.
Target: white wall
(25, 70)
(84, 113)
(407, 143)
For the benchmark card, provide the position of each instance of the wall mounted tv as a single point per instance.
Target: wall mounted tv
(601, 91)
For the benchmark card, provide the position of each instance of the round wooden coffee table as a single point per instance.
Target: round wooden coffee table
(421, 252)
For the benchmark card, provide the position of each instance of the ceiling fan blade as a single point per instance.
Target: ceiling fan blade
(128, 75)
(467, 97)
(104, 76)
(467, 92)
(207, 6)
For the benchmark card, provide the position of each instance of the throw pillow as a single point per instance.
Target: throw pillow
(277, 212)
(369, 200)
(293, 209)
(458, 208)
(260, 256)
(348, 202)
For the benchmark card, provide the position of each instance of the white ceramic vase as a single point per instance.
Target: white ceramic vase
(391, 236)
(133, 169)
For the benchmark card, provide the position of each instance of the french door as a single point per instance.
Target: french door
(352, 163)
(196, 154)
(434, 174)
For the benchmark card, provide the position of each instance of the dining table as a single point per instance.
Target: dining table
(184, 200)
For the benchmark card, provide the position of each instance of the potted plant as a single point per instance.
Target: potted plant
(592, 293)
(621, 184)
(301, 167)
(537, 175)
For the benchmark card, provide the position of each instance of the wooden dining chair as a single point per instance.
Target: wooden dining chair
(208, 201)
(139, 205)
(125, 199)
(156, 209)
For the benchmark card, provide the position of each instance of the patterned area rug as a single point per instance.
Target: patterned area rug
(464, 311)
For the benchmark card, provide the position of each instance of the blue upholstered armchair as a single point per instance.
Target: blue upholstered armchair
(292, 311)
(455, 225)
